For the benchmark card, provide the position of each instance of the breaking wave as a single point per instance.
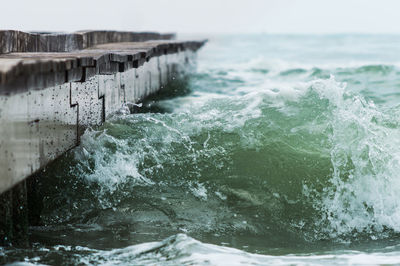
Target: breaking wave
(262, 156)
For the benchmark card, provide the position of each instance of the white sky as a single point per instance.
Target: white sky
(205, 16)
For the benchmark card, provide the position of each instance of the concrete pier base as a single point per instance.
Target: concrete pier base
(35, 200)
(20, 215)
(52, 87)
(6, 219)
(14, 216)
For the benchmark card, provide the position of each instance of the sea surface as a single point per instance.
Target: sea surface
(280, 149)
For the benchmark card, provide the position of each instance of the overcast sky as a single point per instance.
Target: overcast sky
(205, 16)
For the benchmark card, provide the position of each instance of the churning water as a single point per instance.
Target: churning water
(279, 150)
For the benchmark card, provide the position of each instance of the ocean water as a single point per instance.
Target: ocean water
(279, 150)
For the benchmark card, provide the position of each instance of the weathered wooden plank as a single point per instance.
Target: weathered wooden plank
(18, 41)
(33, 70)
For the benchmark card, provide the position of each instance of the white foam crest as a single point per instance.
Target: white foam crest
(278, 93)
(198, 190)
(209, 110)
(109, 169)
(365, 155)
(184, 250)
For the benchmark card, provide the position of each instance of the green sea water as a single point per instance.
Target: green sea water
(280, 149)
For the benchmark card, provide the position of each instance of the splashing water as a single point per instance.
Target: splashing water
(290, 149)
